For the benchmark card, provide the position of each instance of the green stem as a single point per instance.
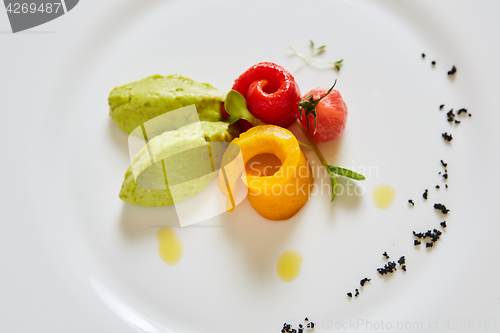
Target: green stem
(312, 146)
(321, 158)
(305, 145)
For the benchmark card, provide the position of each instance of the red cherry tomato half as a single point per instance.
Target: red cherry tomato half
(331, 116)
(271, 93)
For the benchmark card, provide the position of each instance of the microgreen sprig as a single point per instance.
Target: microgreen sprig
(308, 105)
(315, 51)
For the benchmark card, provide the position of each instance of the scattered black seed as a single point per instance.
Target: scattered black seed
(444, 164)
(423, 55)
(307, 319)
(357, 293)
(443, 224)
(349, 294)
(429, 244)
(287, 328)
(385, 255)
(462, 110)
(445, 176)
(363, 281)
(447, 137)
(402, 260)
(439, 173)
(441, 207)
(425, 194)
(403, 268)
(411, 202)
(433, 62)
(451, 115)
(390, 267)
(457, 121)
(437, 186)
(434, 236)
(452, 71)
(441, 106)
(470, 115)
(446, 185)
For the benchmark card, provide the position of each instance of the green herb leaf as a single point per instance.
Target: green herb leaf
(346, 172)
(338, 64)
(236, 106)
(308, 105)
(334, 185)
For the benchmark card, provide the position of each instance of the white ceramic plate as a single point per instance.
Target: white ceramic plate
(76, 258)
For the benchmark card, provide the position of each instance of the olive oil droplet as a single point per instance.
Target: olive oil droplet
(289, 265)
(169, 246)
(383, 195)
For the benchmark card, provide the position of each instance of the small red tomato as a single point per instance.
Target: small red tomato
(331, 116)
(271, 93)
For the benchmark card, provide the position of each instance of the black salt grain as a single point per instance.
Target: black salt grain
(447, 137)
(363, 281)
(451, 115)
(441, 207)
(452, 71)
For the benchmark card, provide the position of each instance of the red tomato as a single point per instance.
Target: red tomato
(331, 114)
(271, 93)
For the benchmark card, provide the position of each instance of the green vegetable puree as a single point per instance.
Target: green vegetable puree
(185, 156)
(135, 103)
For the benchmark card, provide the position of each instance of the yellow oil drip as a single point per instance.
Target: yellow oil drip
(169, 246)
(383, 195)
(289, 265)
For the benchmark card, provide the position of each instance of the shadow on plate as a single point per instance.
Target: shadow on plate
(138, 222)
(259, 240)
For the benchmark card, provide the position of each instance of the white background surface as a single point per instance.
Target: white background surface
(74, 258)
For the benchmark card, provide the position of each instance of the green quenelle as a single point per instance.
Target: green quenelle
(182, 152)
(135, 103)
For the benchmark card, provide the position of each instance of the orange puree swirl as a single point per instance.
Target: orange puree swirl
(282, 195)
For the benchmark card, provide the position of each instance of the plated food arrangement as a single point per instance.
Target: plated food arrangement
(264, 101)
